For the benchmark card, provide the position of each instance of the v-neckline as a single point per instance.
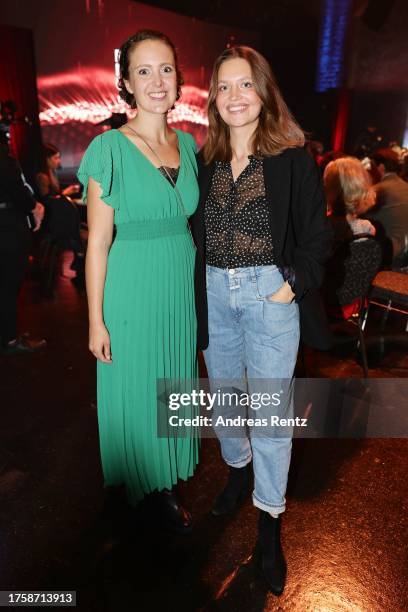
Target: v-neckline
(235, 180)
(150, 163)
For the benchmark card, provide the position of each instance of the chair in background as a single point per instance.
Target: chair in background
(390, 292)
(350, 272)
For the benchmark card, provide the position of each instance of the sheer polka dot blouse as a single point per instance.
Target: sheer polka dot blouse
(237, 219)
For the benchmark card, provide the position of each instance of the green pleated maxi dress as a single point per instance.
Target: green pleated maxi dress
(148, 309)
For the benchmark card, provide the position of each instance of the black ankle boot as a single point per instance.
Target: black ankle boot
(174, 516)
(270, 553)
(235, 491)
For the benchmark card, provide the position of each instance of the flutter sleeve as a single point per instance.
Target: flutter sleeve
(97, 163)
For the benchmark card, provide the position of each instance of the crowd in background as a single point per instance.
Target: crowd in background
(369, 187)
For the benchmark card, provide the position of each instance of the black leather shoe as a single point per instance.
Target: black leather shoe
(22, 345)
(269, 552)
(174, 516)
(234, 492)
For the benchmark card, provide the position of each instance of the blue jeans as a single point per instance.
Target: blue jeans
(255, 338)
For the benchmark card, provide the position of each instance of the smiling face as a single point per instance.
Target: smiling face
(152, 76)
(237, 100)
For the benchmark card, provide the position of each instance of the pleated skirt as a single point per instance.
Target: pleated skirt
(149, 312)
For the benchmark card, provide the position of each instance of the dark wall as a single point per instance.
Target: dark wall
(387, 110)
(378, 72)
(290, 42)
(379, 55)
(18, 83)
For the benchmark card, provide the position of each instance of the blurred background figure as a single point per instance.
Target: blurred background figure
(349, 195)
(356, 256)
(62, 218)
(18, 212)
(368, 141)
(47, 179)
(114, 122)
(315, 148)
(390, 214)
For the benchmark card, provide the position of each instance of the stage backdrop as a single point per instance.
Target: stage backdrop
(75, 46)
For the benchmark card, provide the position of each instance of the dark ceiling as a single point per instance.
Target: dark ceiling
(289, 32)
(277, 18)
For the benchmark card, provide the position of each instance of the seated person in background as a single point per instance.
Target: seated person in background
(349, 194)
(62, 218)
(47, 179)
(390, 213)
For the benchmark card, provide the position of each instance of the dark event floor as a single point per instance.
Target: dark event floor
(344, 532)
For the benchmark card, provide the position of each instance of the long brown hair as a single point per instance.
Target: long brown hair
(49, 150)
(277, 129)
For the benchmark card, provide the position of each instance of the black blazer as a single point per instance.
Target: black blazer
(301, 237)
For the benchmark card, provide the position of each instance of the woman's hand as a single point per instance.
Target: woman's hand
(38, 214)
(284, 295)
(99, 342)
(70, 190)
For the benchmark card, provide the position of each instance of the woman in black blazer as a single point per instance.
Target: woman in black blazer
(262, 241)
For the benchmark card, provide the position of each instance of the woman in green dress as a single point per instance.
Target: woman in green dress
(142, 179)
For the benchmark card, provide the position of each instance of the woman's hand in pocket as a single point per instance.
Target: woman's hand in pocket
(99, 342)
(284, 295)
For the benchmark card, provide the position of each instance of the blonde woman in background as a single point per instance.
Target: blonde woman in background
(349, 195)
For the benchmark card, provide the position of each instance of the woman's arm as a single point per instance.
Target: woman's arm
(100, 226)
(43, 184)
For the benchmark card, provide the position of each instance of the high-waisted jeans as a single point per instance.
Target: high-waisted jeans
(253, 338)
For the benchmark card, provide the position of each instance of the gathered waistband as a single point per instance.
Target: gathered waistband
(152, 228)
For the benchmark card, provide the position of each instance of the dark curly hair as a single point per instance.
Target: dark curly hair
(124, 54)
